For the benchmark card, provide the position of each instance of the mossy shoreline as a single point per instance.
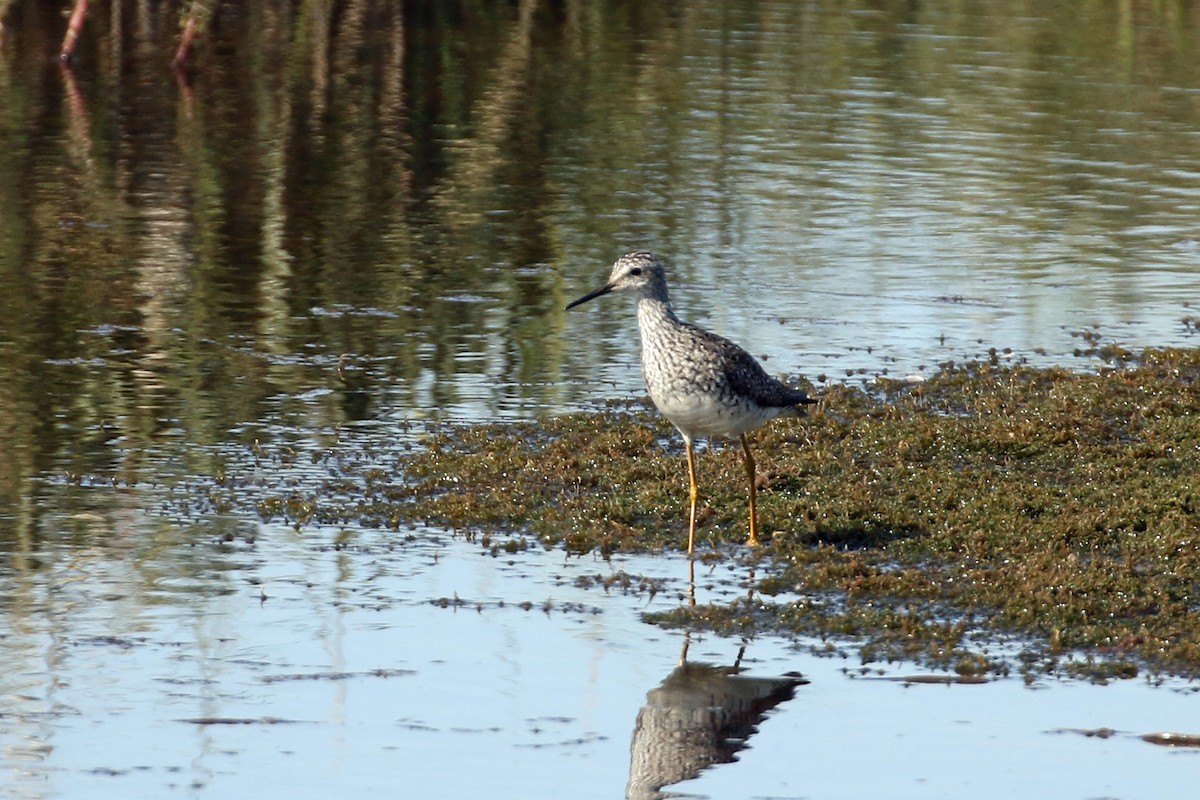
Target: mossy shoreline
(939, 521)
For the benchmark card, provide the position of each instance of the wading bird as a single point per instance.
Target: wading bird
(703, 383)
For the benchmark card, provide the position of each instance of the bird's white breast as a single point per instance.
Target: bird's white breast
(702, 415)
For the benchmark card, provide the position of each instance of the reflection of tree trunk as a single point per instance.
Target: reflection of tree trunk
(393, 113)
(273, 111)
(479, 156)
(699, 716)
(158, 195)
(319, 17)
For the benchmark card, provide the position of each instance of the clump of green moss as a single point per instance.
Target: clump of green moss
(920, 519)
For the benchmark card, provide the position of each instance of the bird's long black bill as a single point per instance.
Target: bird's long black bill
(605, 289)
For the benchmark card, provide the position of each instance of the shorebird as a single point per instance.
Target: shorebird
(704, 384)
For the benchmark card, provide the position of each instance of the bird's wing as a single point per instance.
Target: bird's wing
(748, 378)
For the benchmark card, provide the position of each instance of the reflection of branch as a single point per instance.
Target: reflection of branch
(92, 198)
(698, 716)
(187, 100)
(74, 26)
(79, 128)
(198, 15)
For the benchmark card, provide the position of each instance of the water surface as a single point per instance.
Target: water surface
(372, 215)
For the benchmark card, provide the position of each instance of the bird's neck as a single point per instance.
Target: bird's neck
(654, 312)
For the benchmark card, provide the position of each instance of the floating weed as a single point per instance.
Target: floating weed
(917, 518)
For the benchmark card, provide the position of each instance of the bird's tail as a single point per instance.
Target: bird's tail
(800, 406)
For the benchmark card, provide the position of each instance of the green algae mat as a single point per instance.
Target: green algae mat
(990, 519)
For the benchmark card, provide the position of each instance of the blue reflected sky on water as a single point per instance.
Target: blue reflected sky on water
(385, 226)
(353, 676)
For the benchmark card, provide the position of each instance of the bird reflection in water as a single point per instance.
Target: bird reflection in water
(700, 715)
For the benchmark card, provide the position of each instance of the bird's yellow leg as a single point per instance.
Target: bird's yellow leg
(753, 540)
(693, 493)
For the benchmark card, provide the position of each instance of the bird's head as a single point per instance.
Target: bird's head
(638, 273)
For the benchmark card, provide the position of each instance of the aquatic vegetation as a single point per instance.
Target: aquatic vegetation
(937, 521)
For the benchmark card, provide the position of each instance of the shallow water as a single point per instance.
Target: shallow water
(316, 663)
(375, 219)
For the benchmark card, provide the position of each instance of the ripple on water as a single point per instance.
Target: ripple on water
(314, 660)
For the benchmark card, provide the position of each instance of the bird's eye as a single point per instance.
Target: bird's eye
(635, 271)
